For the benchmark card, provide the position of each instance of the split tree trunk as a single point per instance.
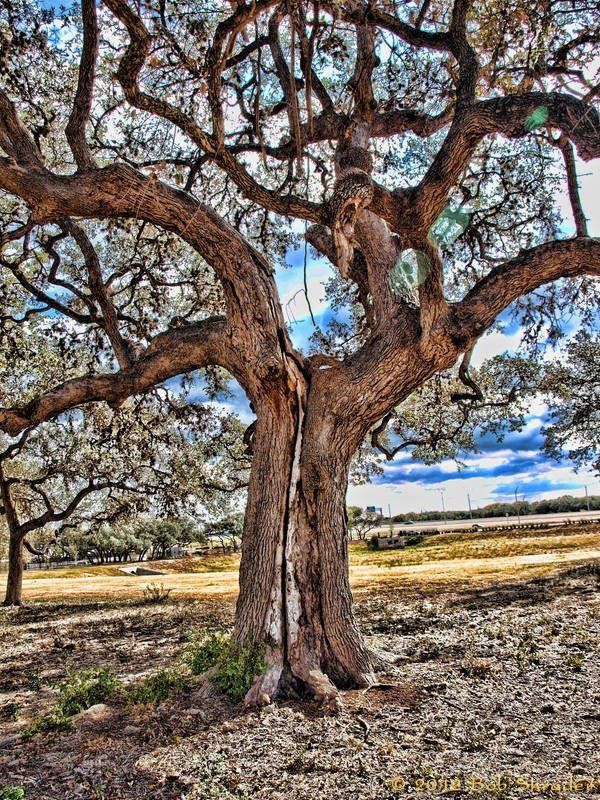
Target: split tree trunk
(294, 585)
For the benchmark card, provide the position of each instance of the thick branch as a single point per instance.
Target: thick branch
(15, 139)
(172, 353)
(362, 13)
(464, 53)
(511, 117)
(75, 129)
(120, 191)
(530, 269)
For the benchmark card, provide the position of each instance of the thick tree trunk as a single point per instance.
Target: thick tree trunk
(14, 582)
(294, 586)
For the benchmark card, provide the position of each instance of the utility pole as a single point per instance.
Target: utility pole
(441, 491)
(469, 502)
(587, 499)
(517, 505)
(390, 517)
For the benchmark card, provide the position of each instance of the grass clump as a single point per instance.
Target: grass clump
(159, 686)
(12, 793)
(81, 690)
(53, 721)
(156, 593)
(84, 689)
(231, 665)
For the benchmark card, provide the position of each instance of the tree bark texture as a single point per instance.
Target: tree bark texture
(294, 584)
(14, 580)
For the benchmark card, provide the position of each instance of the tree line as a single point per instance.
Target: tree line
(557, 505)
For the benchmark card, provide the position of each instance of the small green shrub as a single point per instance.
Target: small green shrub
(81, 690)
(527, 652)
(231, 665)
(12, 793)
(204, 654)
(84, 689)
(156, 593)
(575, 661)
(54, 721)
(158, 686)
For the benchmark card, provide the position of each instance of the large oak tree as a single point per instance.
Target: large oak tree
(213, 126)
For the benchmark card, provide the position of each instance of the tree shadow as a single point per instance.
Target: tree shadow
(583, 580)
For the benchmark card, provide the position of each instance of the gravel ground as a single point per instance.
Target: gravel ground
(497, 694)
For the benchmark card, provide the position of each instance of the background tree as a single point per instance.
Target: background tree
(418, 146)
(572, 389)
(360, 522)
(164, 534)
(87, 471)
(227, 531)
(135, 539)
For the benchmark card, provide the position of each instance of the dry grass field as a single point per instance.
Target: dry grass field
(447, 559)
(492, 650)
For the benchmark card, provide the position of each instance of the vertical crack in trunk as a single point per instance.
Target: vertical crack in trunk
(291, 608)
(294, 587)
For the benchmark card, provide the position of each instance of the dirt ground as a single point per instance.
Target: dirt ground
(492, 688)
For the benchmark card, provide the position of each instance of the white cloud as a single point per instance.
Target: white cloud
(405, 496)
(494, 343)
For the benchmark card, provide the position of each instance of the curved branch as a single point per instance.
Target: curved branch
(579, 217)
(511, 116)
(75, 130)
(212, 145)
(521, 275)
(168, 354)
(391, 452)
(121, 191)
(15, 139)
(121, 348)
(467, 380)
(51, 515)
(365, 13)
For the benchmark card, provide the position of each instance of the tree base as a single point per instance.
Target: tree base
(278, 682)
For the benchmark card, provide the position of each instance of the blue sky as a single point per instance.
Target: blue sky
(501, 468)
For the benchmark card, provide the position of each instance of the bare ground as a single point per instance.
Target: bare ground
(496, 693)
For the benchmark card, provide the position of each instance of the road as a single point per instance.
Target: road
(494, 522)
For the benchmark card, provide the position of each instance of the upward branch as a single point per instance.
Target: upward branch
(521, 275)
(75, 130)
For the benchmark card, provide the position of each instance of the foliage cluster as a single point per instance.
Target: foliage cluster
(232, 666)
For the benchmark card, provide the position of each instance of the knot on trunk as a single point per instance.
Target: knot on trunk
(353, 193)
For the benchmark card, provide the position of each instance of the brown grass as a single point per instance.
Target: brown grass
(446, 560)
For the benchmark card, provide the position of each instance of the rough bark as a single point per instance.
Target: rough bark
(14, 581)
(294, 585)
